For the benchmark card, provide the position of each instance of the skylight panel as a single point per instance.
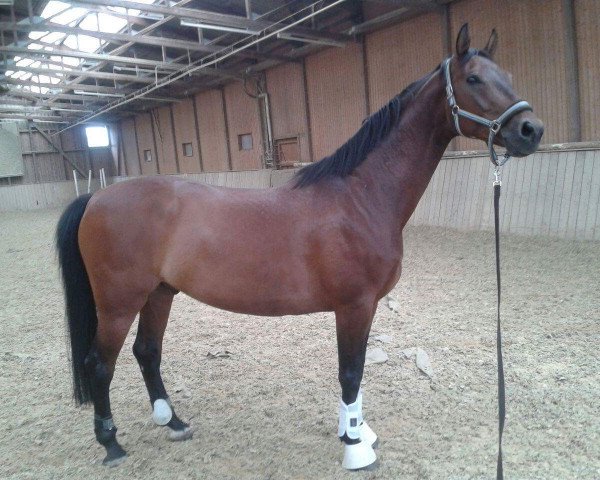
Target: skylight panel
(108, 23)
(71, 42)
(37, 35)
(88, 44)
(70, 15)
(53, 37)
(24, 62)
(35, 46)
(89, 23)
(71, 61)
(53, 7)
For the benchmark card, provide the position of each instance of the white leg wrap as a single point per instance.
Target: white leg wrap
(162, 413)
(361, 454)
(351, 418)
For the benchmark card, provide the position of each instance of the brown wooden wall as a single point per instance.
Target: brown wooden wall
(587, 26)
(550, 49)
(129, 148)
(164, 140)
(214, 149)
(243, 118)
(186, 131)
(335, 85)
(145, 142)
(43, 162)
(287, 95)
(392, 59)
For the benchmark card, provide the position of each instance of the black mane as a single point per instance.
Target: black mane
(352, 153)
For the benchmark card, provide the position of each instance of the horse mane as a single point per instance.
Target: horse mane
(372, 132)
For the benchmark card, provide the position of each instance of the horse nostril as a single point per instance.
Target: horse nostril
(527, 129)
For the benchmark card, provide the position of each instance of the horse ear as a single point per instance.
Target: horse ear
(492, 44)
(463, 41)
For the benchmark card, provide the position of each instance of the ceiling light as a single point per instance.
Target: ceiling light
(98, 94)
(223, 28)
(319, 41)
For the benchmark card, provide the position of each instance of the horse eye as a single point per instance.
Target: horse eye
(473, 79)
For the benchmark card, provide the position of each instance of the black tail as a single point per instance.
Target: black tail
(80, 306)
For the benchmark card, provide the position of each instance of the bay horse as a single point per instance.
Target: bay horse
(330, 240)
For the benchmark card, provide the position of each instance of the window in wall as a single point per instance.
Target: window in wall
(97, 136)
(245, 141)
(147, 156)
(187, 150)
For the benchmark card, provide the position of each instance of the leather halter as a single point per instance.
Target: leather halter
(494, 126)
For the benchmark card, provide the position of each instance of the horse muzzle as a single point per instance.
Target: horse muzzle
(522, 135)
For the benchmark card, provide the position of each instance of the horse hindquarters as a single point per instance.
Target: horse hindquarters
(90, 374)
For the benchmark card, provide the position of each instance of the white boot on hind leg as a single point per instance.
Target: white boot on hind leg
(161, 412)
(360, 454)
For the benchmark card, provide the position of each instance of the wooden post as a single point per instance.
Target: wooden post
(75, 181)
(572, 72)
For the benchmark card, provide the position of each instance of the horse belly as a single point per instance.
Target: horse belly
(247, 277)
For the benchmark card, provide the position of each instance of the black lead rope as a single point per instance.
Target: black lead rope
(501, 392)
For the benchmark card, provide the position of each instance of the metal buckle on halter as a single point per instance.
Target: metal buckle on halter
(497, 180)
(495, 126)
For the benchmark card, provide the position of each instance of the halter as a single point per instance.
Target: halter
(493, 125)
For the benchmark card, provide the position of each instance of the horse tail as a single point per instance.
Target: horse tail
(80, 307)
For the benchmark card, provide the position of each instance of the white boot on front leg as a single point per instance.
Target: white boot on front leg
(360, 454)
(367, 434)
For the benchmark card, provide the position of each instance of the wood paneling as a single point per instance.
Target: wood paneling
(399, 55)
(587, 28)
(531, 47)
(130, 151)
(185, 132)
(165, 143)
(548, 193)
(145, 142)
(336, 96)
(285, 85)
(243, 118)
(211, 122)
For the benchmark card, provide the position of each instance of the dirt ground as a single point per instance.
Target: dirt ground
(270, 410)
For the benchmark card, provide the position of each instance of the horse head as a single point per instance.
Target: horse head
(481, 93)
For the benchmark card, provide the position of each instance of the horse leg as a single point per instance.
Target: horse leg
(353, 324)
(100, 365)
(147, 349)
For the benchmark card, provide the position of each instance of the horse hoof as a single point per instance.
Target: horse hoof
(358, 456)
(181, 435)
(115, 455)
(368, 435)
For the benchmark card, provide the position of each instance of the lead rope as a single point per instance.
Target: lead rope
(501, 391)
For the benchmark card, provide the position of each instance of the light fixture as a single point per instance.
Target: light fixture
(223, 28)
(98, 94)
(57, 109)
(318, 41)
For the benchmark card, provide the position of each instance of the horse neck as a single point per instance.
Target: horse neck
(396, 174)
